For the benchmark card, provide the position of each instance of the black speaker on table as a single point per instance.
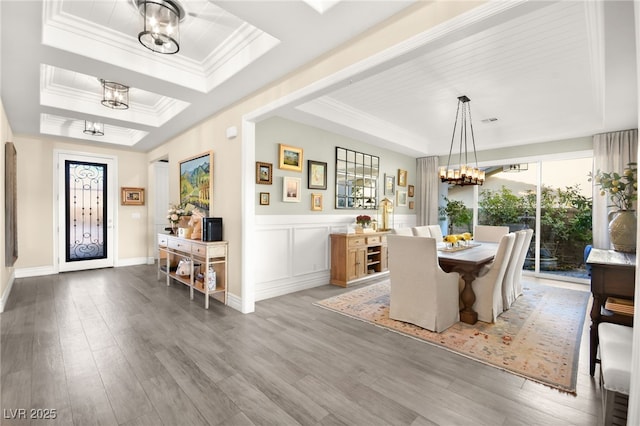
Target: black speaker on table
(211, 229)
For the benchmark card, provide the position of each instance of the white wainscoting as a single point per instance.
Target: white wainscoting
(293, 252)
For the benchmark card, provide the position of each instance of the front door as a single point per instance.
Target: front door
(85, 211)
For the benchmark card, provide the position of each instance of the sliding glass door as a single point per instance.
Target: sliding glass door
(552, 197)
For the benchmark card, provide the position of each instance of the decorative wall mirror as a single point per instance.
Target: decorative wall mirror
(356, 180)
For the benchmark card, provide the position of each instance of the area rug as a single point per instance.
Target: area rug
(538, 338)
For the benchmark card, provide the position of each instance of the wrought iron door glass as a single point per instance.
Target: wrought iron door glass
(85, 211)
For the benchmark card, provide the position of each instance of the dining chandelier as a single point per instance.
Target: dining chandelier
(161, 25)
(466, 174)
(92, 128)
(115, 95)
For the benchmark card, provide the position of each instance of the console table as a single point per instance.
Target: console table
(210, 255)
(613, 274)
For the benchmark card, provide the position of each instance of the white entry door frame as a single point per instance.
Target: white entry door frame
(108, 222)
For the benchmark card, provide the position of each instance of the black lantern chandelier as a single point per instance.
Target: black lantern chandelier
(92, 128)
(466, 174)
(161, 27)
(115, 95)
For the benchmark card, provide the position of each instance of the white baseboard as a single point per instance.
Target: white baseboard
(38, 271)
(235, 302)
(291, 285)
(132, 261)
(7, 291)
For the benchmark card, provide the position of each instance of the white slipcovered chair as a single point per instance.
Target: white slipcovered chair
(508, 283)
(488, 285)
(402, 231)
(517, 282)
(421, 231)
(421, 292)
(489, 234)
(436, 232)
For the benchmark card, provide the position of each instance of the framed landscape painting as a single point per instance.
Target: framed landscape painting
(196, 182)
(290, 158)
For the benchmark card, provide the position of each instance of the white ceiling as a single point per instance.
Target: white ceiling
(545, 70)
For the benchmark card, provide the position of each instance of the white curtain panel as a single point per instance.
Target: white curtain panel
(427, 187)
(611, 152)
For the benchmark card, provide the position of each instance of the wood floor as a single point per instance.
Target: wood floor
(116, 346)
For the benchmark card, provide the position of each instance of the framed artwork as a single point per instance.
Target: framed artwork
(132, 196)
(264, 173)
(196, 182)
(10, 204)
(316, 175)
(316, 202)
(264, 198)
(402, 177)
(291, 188)
(389, 185)
(402, 199)
(290, 158)
(412, 205)
(411, 190)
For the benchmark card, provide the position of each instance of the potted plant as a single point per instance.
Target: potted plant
(622, 190)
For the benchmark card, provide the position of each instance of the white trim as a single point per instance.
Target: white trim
(112, 194)
(37, 271)
(7, 291)
(235, 302)
(132, 261)
(247, 259)
(291, 285)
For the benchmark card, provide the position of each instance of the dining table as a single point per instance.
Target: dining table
(468, 261)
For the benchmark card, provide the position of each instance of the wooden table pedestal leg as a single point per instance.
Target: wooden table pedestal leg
(468, 298)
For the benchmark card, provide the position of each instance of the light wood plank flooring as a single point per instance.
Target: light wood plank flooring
(116, 346)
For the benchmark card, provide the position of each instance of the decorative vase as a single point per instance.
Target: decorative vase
(622, 230)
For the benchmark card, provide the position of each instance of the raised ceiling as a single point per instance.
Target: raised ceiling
(544, 70)
(54, 52)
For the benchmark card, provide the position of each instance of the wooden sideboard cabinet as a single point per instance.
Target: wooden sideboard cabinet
(355, 257)
(613, 274)
(213, 254)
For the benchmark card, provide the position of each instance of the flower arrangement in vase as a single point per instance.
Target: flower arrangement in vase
(175, 213)
(363, 223)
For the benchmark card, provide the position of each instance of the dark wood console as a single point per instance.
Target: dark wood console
(613, 274)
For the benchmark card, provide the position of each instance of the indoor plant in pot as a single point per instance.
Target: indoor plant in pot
(622, 190)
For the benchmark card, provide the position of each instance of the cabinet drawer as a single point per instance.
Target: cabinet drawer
(217, 251)
(373, 240)
(355, 242)
(162, 240)
(177, 244)
(213, 251)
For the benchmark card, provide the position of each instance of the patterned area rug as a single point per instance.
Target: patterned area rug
(538, 338)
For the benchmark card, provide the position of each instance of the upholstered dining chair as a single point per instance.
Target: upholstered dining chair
(488, 233)
(517, 285)
(508, 283)
(436, 232)
(402, 231)
(421, 292)
(488, 285)
(421, 231)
